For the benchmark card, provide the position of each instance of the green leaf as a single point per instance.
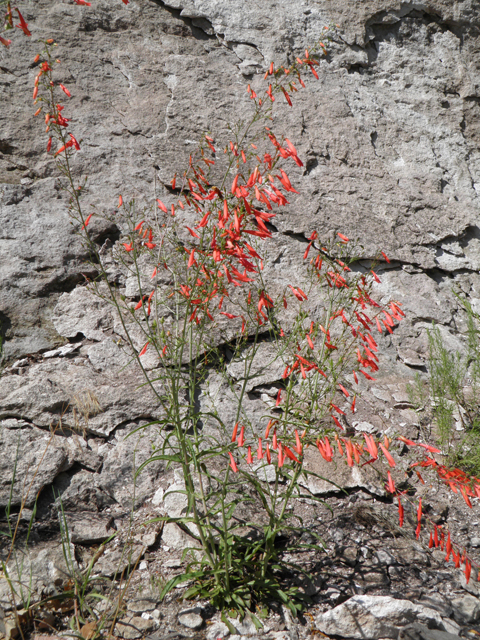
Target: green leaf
(255, 620)
(229, 625)
(183, 577)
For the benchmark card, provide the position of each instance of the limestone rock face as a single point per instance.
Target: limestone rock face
(390, 138)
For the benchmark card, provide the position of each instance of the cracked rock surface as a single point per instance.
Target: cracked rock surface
(389, 136)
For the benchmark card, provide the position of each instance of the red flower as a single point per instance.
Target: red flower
(468, 569)
(387, 455)
(142, 352)
(281, 458)
(298, 444)
(74, 141)
(390, 484)
(161, 206)
(401, 514)
(23, 25)
(337, 423)
(259, 450)
(65, 90)
(85, 225)
(195, 235)
(290, 454)
(232, 460)
(241, 437)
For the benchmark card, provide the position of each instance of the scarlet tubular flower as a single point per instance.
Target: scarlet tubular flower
(233, 464)
(298, 444)
(85, 225)
(401, 514)
(281, 457)
(162, 206)
(387, 455)
(448, 548)
(5, 42)
(290, 454)
(82, 2)
(269, 426)
(337, 422)
(390, 483)
(74, 141)
(259, 450)
(324, 452)
(371, 446)
(143, 351)
(241, 437)
(23, 25)
(65, 90)
(419, 519)
(468, 570)
(249, 456)
(234, 434)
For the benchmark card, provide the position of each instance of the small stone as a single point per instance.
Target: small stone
(141, 605)
(135, 627)
(149, 539)
(173, 564)
(218, 630)
(191, 618)
(158, 497)
(381, 394)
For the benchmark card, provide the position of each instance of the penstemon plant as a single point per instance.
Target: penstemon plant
(201, 308)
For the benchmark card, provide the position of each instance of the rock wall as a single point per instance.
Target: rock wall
(390, 140)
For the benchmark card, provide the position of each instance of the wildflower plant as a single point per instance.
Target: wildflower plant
(202, 305)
